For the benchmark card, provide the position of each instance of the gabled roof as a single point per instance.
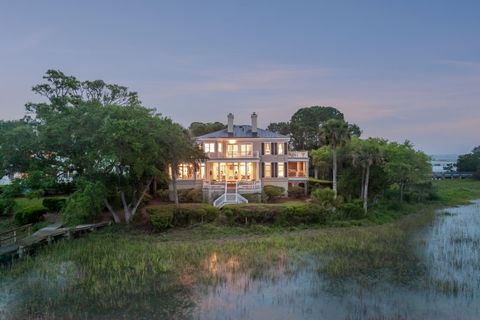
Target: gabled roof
(242, 131)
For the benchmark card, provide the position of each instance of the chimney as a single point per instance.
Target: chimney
(254, 124)
(230, 124)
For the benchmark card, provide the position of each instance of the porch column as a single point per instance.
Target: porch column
(298, 168)
(257, 171)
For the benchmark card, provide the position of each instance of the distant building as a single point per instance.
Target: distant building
(443, 163)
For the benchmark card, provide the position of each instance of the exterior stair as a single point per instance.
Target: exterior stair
(230, 196)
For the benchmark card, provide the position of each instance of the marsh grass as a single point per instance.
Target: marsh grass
(122, 271)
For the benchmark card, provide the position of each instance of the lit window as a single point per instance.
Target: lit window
(219, 147)
(281, 170)
(280, 148)
(268, 169)
(267, 148)
(209, 147)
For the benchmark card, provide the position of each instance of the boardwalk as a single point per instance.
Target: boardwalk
(18, 247)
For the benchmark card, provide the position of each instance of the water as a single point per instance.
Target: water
(440, 279)
(445, 286)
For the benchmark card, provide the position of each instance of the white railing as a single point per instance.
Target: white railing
(232, 154)
(230, 196)
(242, 186)
(298, 154)
(296, 174)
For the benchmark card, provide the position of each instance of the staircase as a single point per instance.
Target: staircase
(230, 196)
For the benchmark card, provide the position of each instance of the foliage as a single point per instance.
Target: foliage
(322, 162)
(167, 216)
(469, 162)
(273, 192)
(84, 204)
(351, 210)
(318, 183)
(7, 197)
(279, 127)
(54, 204)
(296, 192)
(201, 128)
(282, 214)
(325, 198)
(27, 215)
(163, 195)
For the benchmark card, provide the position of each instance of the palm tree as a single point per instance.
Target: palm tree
(369, 152)
(335, 133)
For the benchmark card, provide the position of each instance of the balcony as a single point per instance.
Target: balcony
(241, 186)
(233, 155)
(296, 174)
(298, 154)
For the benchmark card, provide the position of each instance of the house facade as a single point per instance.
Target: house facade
(243, 159)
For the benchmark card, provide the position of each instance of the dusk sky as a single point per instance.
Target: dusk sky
(399, 69)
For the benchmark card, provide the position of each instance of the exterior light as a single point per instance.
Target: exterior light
(232, 141)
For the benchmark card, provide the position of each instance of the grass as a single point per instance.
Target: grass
(105, 272)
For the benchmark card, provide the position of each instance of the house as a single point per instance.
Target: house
(243, 159)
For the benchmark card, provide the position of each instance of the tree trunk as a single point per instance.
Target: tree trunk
(315, 171)
(363, 183)
(116, 218)
(147, 187)
(365, 189)
(126, 207)
(174, 184)
(334, 171)
(155, 186)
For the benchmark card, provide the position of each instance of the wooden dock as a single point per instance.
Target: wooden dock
(15, 244)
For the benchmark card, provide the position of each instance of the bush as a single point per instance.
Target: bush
(296, 192)
(272, 192)
(195, 195)
(163, 195)
(287, 215)
(6, 205)
(352, 210)
(167, 216)
(31, 214)
(84, 204)
(54, 204)
(324, 198)
(314, 184)
(253, 197)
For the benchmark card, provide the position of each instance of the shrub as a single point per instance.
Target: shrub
(314, 184)
(54, 204)
(287, 215)
(161, 217)
(84, 204)
(6, 205)
(296, 192)
(166, 216)
(31, 214)
(273, 192)
(324, 198)
(195, 195)
(163, 195)
(352, 210)
(253, 197)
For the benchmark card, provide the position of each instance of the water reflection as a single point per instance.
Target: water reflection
(447, 287)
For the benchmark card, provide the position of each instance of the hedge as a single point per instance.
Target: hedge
(29, 215)
(287, 215)
(167, 216)
(317, 183)
(54, 204)
(296, 192)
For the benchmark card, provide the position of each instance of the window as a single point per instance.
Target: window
(280, 148)
(281, 170)
(268, 169)
(209, 147)
(219, 147)
(267, 148)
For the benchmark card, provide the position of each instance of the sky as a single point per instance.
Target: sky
(399, 69)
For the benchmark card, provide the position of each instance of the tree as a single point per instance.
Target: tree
(200, 128)
(469, 162)
(101, 134)
(405, 166)
(366, 153)
(321, 158)
(180, 148)
(303, 126)
(335, 133)
(280, 127)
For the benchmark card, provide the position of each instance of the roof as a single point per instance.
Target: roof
(242, 131)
